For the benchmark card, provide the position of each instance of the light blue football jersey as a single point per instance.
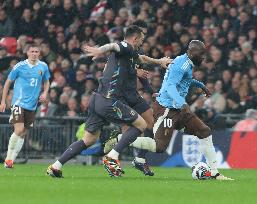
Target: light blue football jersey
(177, 80)
(28, 81)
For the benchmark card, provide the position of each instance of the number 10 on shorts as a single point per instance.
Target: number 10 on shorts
(167, 122)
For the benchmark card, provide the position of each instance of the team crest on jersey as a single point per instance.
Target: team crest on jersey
(40, 72)
(190, 150)
(124, 44)
(117, 111)
(132, 112)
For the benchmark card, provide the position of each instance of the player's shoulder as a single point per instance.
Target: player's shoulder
(42, 63)
(182, 62)
(125, 45)
(20, 64)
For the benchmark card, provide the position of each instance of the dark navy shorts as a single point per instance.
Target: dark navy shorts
(139, 104)
(103, 110)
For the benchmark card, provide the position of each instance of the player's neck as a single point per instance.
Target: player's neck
(129, 42)
(32, 62)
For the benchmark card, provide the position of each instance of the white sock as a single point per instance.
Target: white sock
(119, 137)
(140, 160)
(17, 148)
(113, 154)
(57, 165)
(145, 143)
(11, 146)
(208, 150)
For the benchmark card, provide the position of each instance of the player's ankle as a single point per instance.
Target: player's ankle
(113, 154)
(140, 160)
(57, 165)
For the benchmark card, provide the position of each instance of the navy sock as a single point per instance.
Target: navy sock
(127, 138)
(74, 149)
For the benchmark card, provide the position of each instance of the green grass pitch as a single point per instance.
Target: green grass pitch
(90, 184)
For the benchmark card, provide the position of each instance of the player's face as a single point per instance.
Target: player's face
(139, 39)
(199, 57)
(33, 53)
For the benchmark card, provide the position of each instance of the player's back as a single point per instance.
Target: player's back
(119, 76)
(28, 79)
(179, 74)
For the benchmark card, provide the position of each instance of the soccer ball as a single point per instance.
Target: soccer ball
(201, 171)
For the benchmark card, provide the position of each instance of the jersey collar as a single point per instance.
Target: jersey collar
(190, 61)
(31, 65)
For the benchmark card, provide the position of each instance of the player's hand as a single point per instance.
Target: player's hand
(207, 92)
(2, 107)
(185, 108)
(141, 73)
(43, 98)
(154, 95)
(94, 52)
(165, 61)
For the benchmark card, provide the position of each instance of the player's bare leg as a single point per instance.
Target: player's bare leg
(74, 149)
(203, 132)
(15, 144)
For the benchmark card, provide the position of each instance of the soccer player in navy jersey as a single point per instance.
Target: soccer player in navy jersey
(28, 76)
(109, 103)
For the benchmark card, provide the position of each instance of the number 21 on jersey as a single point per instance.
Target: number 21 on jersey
(33, 82)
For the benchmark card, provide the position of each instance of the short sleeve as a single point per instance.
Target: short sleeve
(126, 49)
(14, 73)
(46, 74)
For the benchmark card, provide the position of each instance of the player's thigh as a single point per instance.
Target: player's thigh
(17, 119)
(29, 118)
(148, 117)
(115, 111)
(93, 122)
(195, 126)
(164, 121)
(91, 138)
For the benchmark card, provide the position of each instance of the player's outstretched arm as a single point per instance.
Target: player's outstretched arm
(97, 52)
(5, 92)
(202, 86)
(163, 62)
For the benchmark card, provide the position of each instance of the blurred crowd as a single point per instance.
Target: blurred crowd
(228, 28)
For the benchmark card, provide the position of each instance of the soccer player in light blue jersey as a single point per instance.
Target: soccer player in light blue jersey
(28, 77)
(172, 112)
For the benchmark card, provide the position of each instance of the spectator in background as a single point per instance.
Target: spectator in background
(72, 108)
(61, 27)
(6, 24)
(217, 101)
(90, 84)
(249, 123)
(84, 104)
(26, 25)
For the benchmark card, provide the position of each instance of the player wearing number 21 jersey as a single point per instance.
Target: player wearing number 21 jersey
(28, 76)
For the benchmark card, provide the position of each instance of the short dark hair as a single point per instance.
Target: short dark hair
(132, 30)
(30, 45)
(140, 23)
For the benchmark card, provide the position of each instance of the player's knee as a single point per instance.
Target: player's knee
(140, 124)
(20, 130)
(90, 138)
(204, 132)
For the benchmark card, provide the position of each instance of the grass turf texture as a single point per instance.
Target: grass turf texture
(83, 184)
